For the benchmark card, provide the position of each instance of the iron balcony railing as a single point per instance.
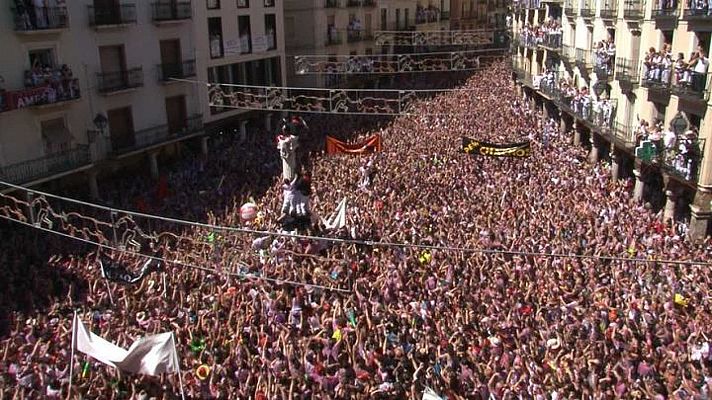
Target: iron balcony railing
(669, 12)
(120, 80)
(358, 35)
(692, 85)
(360, 3)
(43, 94)
(702, 13)
(552, 41)
(52, 164)
(159, 134)
(589, 9)
(180, 70)
(583, 58)
(627, 71)
(41, 19)
(681, 157)
(623, 136)
(570, 8)
(633, 10)
(171, 11)
(334, 38)
(112, 14)
(609, 9)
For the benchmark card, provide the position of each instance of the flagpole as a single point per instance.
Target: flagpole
(180, 375)
(71, 360)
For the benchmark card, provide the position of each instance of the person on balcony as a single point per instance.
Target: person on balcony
(682, 70)
(699, 65)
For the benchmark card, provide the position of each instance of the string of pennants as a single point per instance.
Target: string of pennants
(394, 63)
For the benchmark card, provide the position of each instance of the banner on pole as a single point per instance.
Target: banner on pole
(472, 146)
(370, 145)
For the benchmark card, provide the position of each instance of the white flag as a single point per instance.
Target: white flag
(151, 355)
(337, 220)
(429, 394)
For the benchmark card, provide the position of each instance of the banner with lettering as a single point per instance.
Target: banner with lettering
(115, 272)
(370, 145)
(472, 146)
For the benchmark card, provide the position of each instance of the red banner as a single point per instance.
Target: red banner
(370, 145)
(25, 98)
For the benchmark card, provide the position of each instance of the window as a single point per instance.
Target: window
(213, 4)
(271, 31)
(41, 58)
(56, 136)
(269, 3)
(243, 23)
(384, 19)
(243, 3)
(407, 17)
(215, 37)
(398, 24)
(369, 51)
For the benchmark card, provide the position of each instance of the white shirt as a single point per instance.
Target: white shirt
(701, 65)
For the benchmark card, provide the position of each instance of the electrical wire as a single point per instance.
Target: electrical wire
(192, 266)
(367, 243)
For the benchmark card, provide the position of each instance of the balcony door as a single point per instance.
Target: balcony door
(176, 114)
(171, 62)
(107, 12)
(113, 65)
(121, 128)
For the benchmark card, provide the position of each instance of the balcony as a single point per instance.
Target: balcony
(552, 41)
(583, 61)
(334, 38)
(627, 72)
(354, 35)
(360, 3)
(588, 10)
(693, 91)
(159, 136)
(49, 94)
(568, 56)
(444, 15)
(609, 10)
(657, 81)
(47, 166)
(332, 4)
(112, 82)
(703, 14)
(570, 9)
(170, 11)
(623, 136)
(112, 16)
(633, 11)
(682, 160)
(603, 64)
(49, 20)
(169, 71)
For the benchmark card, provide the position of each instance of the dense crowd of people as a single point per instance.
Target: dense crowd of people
(500, 323)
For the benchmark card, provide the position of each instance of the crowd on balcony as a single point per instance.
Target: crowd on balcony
(681, 152)
(508, 320)
(700, 7)
(659, 68)
(354, 29)
(597, 109)
(426, 14)
(43, 84)
(605, 56)
(39, 14)
(547, 34)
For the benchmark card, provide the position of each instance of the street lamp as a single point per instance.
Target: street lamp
(678, 124)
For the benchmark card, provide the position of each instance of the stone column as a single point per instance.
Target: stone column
(243, 131)
(577, 136)
(593, 154)
(615, 164)
(204, 145)
(639, 186)
(699, 222)
(153, 161)
(93, 184)
(670, 203)
(268, 122)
